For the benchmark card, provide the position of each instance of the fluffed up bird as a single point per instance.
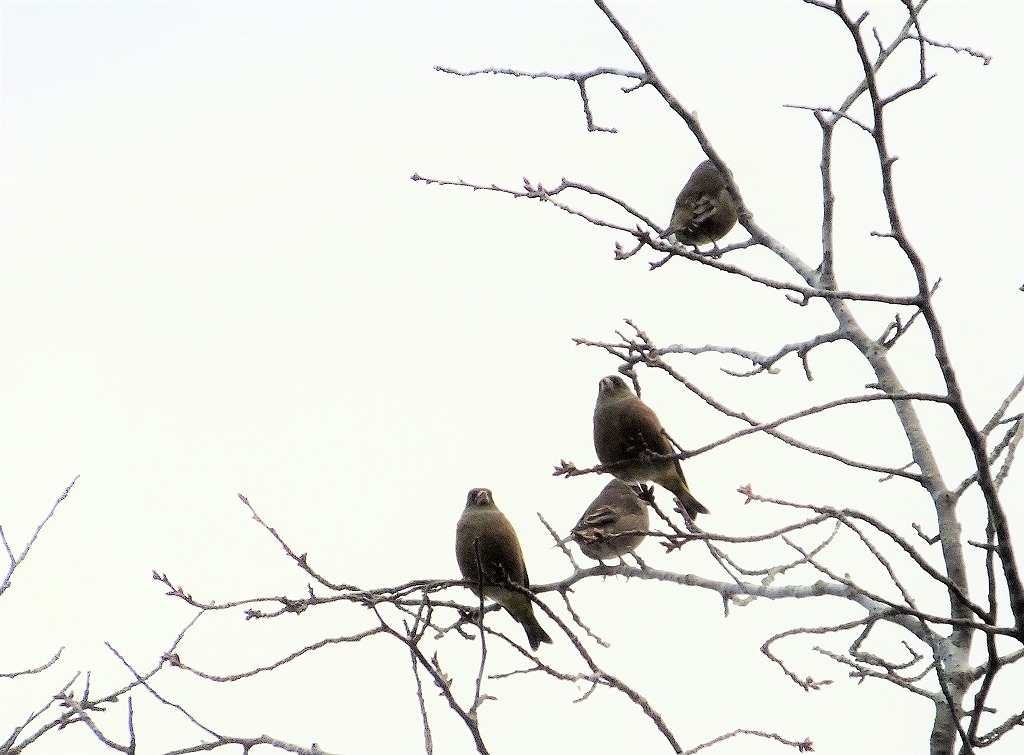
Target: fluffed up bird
(616, 510)
(482, 527)
(627, 430)
(704, 210)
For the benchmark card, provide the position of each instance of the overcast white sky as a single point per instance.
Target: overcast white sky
(216, 277)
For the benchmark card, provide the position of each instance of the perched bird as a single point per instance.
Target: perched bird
(704, 210)
(617, 509)
(627, 430)
(483, 528)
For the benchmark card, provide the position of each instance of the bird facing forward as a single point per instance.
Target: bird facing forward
(627, 432)
(704, 211)
(484, 530)
(617, 510)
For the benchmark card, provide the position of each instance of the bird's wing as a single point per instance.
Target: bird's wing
(641, 426)
(599, 517)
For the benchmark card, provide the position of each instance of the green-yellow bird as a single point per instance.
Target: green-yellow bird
(704, 211)
(483, 528)
(626, 430)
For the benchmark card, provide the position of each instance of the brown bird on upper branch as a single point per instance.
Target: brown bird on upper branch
(704, 211)
(627, 432)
